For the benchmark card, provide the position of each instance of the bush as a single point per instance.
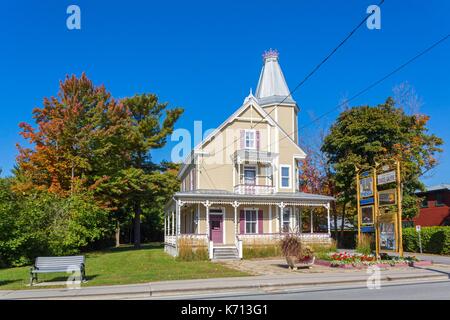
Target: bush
(41, 224)
(188, 252)
(262, 251)
(365, 244)
(292, 246)
(322, 251)
(434, 240)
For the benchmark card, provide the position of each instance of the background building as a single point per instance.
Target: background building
(435, 208)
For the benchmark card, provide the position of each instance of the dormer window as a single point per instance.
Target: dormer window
(250, 139)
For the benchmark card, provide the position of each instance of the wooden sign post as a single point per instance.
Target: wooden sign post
(399, 210)
(387, 225)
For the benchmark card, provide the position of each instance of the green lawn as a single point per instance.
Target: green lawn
(126, 265)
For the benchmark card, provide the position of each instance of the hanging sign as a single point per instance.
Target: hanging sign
(366, 187)
(386, 177)
(387, 198)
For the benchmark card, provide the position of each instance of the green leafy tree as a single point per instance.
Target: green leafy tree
(364, 136)
(151, 123)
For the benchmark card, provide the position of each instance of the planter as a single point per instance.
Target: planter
(294, 263)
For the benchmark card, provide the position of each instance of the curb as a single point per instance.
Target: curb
(148, 292)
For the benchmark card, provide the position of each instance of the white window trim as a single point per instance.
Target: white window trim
(254, 139)
(245, 220)
(281, 176)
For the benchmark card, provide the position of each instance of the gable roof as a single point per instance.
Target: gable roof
(250, 101)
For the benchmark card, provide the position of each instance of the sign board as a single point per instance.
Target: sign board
(368, 229)
(366, 187)
(367, 201)
(387, 236)
(418, 228)
(386, 177)
(387, 197)
(367, 215)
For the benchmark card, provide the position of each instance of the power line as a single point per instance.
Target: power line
(372, 85)
(314, 70)
(320, 64)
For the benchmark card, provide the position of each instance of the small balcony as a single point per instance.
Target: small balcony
(253, 156)
(253, 189)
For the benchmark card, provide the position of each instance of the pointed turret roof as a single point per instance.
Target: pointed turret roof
(272, 87)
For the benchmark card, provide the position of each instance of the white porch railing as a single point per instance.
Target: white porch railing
(253, 189)
(198, 239)
(278, 236)
(170, 240)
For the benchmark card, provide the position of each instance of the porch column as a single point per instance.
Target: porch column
(281, 206)
(300, 224)
(178, 209)
(312, 221)
(328, 218)
(173, 223)
(207, 204)
(165, 224)
(235, 206)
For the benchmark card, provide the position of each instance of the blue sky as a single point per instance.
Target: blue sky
(206, 55)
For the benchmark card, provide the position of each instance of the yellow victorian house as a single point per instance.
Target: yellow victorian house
(239, 186)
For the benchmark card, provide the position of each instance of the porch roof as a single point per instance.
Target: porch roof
(223, 195)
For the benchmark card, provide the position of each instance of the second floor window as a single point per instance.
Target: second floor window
(250, 139)
(250, 175)
(285, 176)
(424, 203)
(439, 200)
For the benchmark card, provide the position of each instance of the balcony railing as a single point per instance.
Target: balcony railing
(253, 189)
(253, 156)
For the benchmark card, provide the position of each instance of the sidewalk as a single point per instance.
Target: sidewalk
(268, 282)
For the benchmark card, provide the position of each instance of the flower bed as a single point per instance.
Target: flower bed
(357, 261)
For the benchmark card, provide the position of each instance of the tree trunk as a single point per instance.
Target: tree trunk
(137, 225)
(335, 216)
(341, 238)
(117, 234)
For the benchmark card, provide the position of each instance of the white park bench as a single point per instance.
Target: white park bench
(68, 264)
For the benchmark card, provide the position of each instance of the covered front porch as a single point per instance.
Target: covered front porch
(223, 220)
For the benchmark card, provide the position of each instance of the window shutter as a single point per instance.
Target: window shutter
(260, 221)
(242, 139)
(242, 222)
(257, 140)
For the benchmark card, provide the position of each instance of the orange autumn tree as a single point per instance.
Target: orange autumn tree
(76, 139)
(84, 140)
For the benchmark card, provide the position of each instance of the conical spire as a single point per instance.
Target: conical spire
(272, 87)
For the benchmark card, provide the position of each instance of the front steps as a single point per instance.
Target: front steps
(225, 253)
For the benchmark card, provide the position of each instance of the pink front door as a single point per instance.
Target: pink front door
(216, 228)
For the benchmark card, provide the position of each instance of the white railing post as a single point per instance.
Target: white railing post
(240, 249)
(211, 249)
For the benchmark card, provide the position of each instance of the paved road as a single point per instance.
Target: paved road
(439, 290)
